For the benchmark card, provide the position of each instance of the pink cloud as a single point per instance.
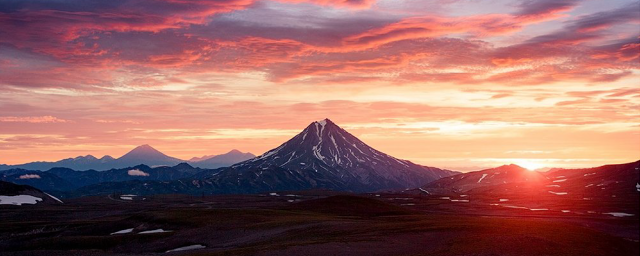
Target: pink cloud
(32, 119)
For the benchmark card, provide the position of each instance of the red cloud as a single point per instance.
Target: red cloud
(432, 26)
(337, 3)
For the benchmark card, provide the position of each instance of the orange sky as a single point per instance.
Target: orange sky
(453, 84)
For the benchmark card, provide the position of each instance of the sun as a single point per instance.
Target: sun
(530, 165)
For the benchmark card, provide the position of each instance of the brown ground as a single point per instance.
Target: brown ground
(389, 224)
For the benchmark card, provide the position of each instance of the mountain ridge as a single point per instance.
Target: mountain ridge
(143, 154)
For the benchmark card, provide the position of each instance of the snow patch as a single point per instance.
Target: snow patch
(566, 211)
(187, 248)
(539, 209)
(504, 200)
(481, 178)
(124, 231)
(619, 214)
(154, 231)
(19, 199)
(562, 180)
(54, 198)
(558, 193)
(553, 186)
(515, 207)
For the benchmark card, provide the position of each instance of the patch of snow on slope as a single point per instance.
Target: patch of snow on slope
(483, 176)
(186, 248)
(154, 231)
(54, 198)
(515, 207)
(562, 180)
(558, 193)
(619, 214)
(19, 199)
(425, 191)
(124, 231)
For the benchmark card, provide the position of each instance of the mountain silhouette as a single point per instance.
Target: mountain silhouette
(144, 154)
(326, 156)
(222, 160)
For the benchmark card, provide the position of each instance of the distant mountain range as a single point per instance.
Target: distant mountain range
(144, 154)
(65, 179)
(323, 155)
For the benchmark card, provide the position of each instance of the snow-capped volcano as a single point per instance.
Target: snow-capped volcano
(324, 147)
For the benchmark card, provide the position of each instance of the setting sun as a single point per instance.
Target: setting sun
(530, 164)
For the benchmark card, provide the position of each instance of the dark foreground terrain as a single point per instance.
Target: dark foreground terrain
(309, 223)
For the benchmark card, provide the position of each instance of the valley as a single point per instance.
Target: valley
(307, 223)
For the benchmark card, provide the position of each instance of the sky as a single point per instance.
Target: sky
(457, 84)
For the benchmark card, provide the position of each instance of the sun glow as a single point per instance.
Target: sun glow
(529, 164)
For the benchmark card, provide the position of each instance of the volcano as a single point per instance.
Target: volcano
(324, 153)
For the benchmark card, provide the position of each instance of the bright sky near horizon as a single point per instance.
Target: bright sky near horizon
(459, 84)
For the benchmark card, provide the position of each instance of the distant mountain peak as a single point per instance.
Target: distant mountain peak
(514, 167)
(144, 150)
(147, 155)
(235, 151)
(324, 122)
(183, 166)
(87, 157)
(107, 158)
(144, 147)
